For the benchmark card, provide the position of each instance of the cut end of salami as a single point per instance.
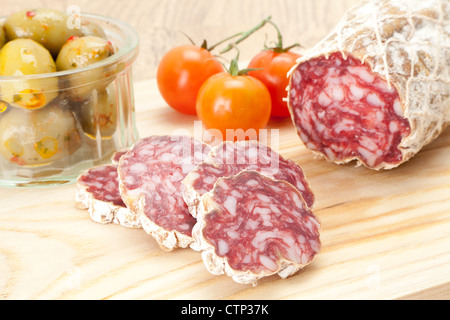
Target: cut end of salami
(229, 158)
(251, 226)
(376, 89)
(98, 192)
(344, 111)
(150, 176)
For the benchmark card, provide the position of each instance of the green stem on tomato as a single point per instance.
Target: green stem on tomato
(220, 42)
(279, 36)
(279, 46)
(204, 44)
(189, 38)
(234, 65)
(246, 34)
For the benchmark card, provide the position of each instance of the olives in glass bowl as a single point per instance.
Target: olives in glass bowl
(66, 95)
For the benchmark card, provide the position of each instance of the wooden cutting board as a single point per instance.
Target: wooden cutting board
(385, 235)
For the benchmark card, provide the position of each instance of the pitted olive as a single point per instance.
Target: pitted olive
(2, 37)
(38, 137)
(98, 114)
(81, 52)
(49, 27)
(27, 57)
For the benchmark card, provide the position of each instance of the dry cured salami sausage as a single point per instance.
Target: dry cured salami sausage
(98, 191)
(150, 176)
(252, 226)
(377, 88)
(229, 158)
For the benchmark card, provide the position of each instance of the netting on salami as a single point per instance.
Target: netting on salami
(150, 176)
(98, 192)
(229, 158)
(377, 88)
(251, 226)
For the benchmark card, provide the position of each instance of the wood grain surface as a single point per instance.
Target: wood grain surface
(385, 235)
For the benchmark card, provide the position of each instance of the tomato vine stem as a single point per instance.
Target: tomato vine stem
(234, 64)
(245, 34)
(279, 46)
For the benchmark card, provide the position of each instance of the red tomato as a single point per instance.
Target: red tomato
(180, 74)
(233, 102)
(274, 68)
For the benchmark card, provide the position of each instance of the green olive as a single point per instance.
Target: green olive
(82, 52)
(49, 27)
(98, 114)
(2, 37)
(27, 57)
(38, 137)
(24, 57)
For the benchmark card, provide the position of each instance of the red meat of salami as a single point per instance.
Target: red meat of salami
(376, 89)
(252, 226)
(344, 111)
(150, 176)
(98, 191)
(229, 158)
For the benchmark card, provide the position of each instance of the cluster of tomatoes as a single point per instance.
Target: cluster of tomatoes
(192, 81)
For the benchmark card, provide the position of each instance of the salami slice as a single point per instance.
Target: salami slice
(229, 158)
(150, 176)
(252, 226)
(98, 192)
(377, 88)
(116, 157)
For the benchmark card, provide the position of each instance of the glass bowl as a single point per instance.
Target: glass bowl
(53, 126)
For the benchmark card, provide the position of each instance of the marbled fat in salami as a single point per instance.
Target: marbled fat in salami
(150, 176)
(251, 226)
(229, 158)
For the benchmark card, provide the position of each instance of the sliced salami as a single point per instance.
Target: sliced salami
(252, 226)
(150, 176)
(377, 88)
(229, 158)
(98, 192)
(116, 156)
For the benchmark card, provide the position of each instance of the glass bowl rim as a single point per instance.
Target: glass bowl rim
(130, 45)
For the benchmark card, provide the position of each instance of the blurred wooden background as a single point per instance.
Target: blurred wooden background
(160, 22)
